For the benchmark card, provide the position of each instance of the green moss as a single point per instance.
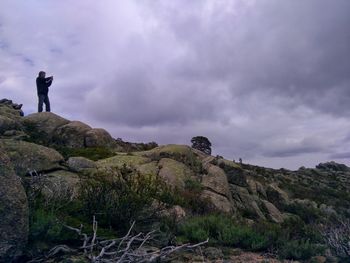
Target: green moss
(93, 153)
(170, 149)
(120, 160)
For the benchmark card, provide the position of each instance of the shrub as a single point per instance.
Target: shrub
(222, 230)
(46, 215)
(119, 199)
(291, 240)
(307, 213)
(299, 249)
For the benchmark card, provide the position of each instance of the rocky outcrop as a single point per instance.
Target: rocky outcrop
(98, 138)
(10, 116)
(333, 166)
(48, 128)
(79, 164)
(120, 160)
(217, 189)
(252, 192)
(7, 124)
(42, 125)
(246, 203)
(27, 157)
(273, 213)
(174, 173)
(276, 195)
(12, 108)
(71, 135)
(216, 181)
(217, 201)
(13, 212)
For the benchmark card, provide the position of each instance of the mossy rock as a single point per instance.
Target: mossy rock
(248, 204)
(174, 173)
(170, 149)
(7, 124)
(41, 126)
(9, 111)
(27, 157)
(215, 180)
(79, 164)
(71, 134)
(224, 162)
(148, 168)
(99, 138)
(120, 160)
(217, 201)
(13, 212)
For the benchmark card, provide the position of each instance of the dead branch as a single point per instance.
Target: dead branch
(338, 238)
(130, 248)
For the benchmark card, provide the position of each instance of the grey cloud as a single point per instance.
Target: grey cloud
(343, 155)
(293, 49)
(259, 78)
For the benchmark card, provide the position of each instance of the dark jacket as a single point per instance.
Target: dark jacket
(42, 85)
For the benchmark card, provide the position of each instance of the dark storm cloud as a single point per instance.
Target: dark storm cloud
(135, 99)
(262, 79)
(343, 155)
(293, 48)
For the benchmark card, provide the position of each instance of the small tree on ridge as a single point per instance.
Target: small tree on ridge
(201, 143)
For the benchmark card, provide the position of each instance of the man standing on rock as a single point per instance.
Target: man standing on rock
(42, 85)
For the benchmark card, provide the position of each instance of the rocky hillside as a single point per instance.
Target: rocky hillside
(47, 159)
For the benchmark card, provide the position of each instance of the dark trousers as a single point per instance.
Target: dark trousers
(43, 99)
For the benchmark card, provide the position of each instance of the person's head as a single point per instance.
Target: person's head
(42, 74)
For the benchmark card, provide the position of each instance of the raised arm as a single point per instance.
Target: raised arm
(48, 81)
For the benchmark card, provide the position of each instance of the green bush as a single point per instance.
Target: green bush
(44, 226)
(222, 230)
(291, 240)
(46, 215)
(308, 214)
(119, 199)
(299, 249)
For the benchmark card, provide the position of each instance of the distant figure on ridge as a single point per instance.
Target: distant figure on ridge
(42, 85)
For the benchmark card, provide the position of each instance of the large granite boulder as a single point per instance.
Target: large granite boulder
(71, 134)
(174, 173)
(98, 138)
(7, 123)
(217, 201)
(277, 196)
(216, 181)
(118, 161)
(272, 212)
(9, 116)
(13, 212)
(236, 176)
(27, 157)
(256, 188)
(10, 109)
(248, 204)
(78, 164)
(150, 168)
(42, 125)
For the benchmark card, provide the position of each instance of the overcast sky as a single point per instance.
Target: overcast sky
(264, 80)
